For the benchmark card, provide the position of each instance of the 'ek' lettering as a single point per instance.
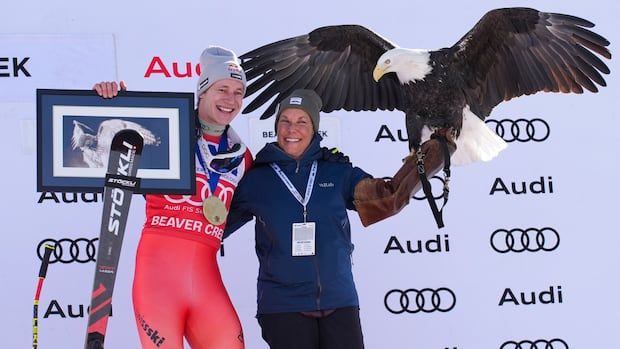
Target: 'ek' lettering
(536, 187)
(384, 132)
(544, 297)
(18, 66)
(157, 66)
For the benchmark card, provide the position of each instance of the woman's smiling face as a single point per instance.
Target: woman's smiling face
(295, 131)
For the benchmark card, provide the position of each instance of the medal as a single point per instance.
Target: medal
(214, 210)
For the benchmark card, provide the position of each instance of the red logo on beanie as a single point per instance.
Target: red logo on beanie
(234, 68)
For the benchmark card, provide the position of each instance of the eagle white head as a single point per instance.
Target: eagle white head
(408, 64)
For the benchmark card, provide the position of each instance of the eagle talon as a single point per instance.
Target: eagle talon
(449, 133)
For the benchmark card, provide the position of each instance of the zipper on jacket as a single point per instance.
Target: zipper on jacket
(319, 287)
(271, 239)
(297, 168)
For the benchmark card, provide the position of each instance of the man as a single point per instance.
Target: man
(177, 288)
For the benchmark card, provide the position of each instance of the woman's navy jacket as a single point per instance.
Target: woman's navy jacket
(306, 283)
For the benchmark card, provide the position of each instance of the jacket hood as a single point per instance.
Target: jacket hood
(271, 152)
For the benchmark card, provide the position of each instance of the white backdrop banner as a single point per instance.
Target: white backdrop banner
(529, 251)
(57, 61)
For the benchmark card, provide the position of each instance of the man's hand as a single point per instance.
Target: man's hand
(334, 155)
(109, 89)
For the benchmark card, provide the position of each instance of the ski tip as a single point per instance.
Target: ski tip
(128, 136)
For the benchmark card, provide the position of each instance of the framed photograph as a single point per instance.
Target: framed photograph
(75, 129)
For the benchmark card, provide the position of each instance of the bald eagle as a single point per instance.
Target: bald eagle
(509, 53)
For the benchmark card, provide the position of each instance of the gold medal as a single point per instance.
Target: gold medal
(214, 210)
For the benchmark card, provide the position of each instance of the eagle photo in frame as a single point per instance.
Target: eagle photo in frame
(75, 129)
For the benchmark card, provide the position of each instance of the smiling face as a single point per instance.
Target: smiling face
(221, 102)
(295, 132)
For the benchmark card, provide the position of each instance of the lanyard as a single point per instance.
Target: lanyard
(303, 201)
(201, 146)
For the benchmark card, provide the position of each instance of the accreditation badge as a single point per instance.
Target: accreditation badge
(214, 210)
(303, 239)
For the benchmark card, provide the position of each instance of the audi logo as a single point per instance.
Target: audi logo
(521, 130)
(425, 300)
(521, 240)
(438, 187)
(197, 200)
(555, 343)
(80, 250)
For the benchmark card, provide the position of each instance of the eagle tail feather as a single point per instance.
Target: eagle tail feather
(477, 142)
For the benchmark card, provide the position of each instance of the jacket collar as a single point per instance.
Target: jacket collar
(271, 152)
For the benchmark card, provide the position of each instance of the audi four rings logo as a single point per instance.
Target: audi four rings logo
(425, 300)
(521, 130)
(203, 185)
(80, 250)
(438, 186)
(520, 240)
(555, 343)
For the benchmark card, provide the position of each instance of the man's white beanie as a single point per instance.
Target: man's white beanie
(217, 63)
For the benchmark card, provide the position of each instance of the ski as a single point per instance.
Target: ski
(120, 184)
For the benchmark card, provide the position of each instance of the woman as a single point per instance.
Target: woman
(306, 294)
(177, 287)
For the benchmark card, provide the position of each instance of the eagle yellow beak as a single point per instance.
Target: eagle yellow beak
(377, 74)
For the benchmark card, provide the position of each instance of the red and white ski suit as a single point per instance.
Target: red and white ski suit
(177, 287)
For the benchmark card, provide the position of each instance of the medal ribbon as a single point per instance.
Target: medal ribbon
(213, 177)
(303, 201)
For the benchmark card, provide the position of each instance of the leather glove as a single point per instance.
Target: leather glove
(334, 155)
(376, 199)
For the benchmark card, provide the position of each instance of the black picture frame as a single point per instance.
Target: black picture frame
(75, 126)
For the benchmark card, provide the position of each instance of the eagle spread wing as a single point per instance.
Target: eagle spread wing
(336, 61)
(509, 53)
(519, 51)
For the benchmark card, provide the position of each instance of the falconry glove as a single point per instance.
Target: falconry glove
(376, 199)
